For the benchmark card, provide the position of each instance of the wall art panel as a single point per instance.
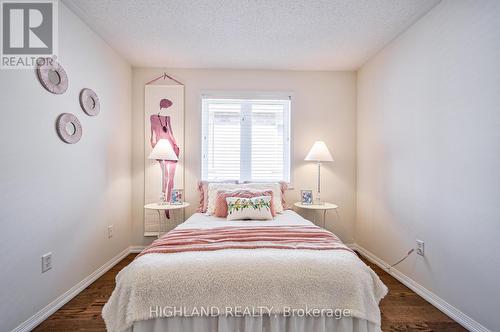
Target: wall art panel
(163, 119)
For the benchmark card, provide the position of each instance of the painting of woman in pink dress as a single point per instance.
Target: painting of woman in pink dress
(161, 128)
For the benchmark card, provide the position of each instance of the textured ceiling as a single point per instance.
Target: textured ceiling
(259, 34)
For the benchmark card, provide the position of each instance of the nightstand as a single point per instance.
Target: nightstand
(321, 207)
(162, 208)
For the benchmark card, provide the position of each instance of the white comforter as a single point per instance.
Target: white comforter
(277, 280)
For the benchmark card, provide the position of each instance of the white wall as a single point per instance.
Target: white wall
(55, 196)
(429, 154)
(323, 108)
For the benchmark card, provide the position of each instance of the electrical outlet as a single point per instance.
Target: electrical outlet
(420, 248)
(110, 231)
(46, 262)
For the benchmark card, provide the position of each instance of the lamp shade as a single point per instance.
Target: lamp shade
(319, 152)
(163, 151)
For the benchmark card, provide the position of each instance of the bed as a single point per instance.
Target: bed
(247, 290)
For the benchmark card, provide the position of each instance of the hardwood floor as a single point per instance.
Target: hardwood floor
(83, 313)
(402, 309)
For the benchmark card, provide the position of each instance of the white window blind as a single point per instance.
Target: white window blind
(246, 139)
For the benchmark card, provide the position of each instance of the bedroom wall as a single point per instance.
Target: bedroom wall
(323, 108)
(55, 196)
(428, 154)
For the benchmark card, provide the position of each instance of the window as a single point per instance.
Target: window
(246, 139)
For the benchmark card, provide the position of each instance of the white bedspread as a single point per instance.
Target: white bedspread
(277, 280)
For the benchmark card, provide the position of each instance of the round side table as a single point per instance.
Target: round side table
(321, 207)
(161, 208)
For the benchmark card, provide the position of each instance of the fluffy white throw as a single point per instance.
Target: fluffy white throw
(270, 278)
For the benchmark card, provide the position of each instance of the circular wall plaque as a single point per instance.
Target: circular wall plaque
(89, 101)
(52, 76)
(69, 128)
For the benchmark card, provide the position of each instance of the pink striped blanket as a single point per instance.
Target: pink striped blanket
(234, 237)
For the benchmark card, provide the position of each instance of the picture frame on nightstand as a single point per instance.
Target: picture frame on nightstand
(306, 197)
(177, 196)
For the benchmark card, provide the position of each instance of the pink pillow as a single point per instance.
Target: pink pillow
(284, 187)
(203, 191)
(221, 203)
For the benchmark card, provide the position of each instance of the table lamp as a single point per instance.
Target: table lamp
(318, 153)
(162, 152)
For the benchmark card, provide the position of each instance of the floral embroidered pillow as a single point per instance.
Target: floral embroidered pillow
(254, 208)
(221, 204)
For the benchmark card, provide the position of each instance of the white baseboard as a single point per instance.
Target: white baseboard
(52, 307)
(136, 249)
(454, 313)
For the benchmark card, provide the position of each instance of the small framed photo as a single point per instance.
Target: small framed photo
(177, 196)
(306, 197)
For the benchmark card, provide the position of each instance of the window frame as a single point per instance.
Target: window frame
(258, 96)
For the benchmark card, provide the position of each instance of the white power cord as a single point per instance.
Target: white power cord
(402, 259)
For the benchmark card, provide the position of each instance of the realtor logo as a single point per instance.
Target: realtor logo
(29, 31)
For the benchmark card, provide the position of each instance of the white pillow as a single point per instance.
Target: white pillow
(254, 208)
(274, 186)
(213, 188)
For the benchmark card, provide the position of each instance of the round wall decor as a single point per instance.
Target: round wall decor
(89, 101)
(52, 76)
(69, 128)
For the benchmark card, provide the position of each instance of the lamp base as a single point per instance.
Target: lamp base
(318, 201)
